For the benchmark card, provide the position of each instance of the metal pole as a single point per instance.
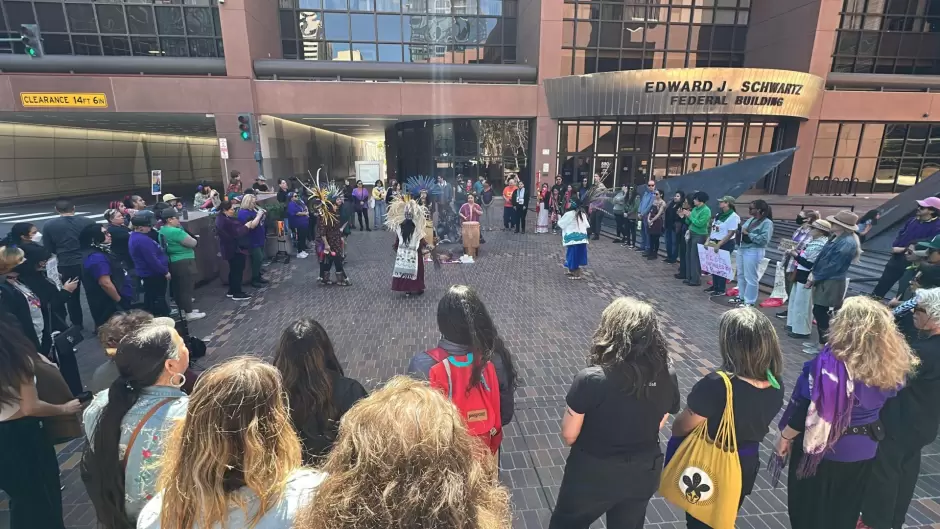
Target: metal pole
(225, 179)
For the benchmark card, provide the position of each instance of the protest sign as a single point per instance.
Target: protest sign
(716, 263)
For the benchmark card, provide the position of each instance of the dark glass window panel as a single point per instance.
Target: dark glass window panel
(363, 26)
(389, 28)
(362, 51)
(361, 5)
(174, 47)
(86, 44)
(113, 45)
(170, 22)
(51, 18)
(723, 38)
(81, 20)
(287, 4)
(509, 30)
(53, 44)
(509, 54)
(608, 64)
(287, 21)
(19, 13)
(202, 48)
(111, 19)
(216, 22)
(933, 141)
(199, 21)
(336, 25)
(847, 43)
(488, 30)
(388, 6)
(339, 51)
(916, 140)
(310, 4)
(868, 43)
(339, 5)
(220, 46)
(289, 49)
(491, 7)
(493, 55)
(390, 53)
(145, 46)
(140, 20)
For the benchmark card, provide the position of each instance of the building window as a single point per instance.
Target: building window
(876, 157)
(888, 36)
(180, 28)
(647, 34)
(633, 151)
(420, 31)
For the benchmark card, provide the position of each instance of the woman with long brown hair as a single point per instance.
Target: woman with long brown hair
(234, 461)
(404, 459)
(318, 392)
(832, 427)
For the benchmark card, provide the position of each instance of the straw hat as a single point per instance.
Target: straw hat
(822, 225)
(846, 219)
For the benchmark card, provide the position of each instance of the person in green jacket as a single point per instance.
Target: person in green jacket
(631, 213)
(698, 220)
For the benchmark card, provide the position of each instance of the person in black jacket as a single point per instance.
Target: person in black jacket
(520, 201)
(120, 235)
(672, 227)
(319, 393)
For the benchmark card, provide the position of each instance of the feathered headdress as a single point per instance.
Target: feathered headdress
(404, 208)
(323, 199)
(416, 184)
(598, 197)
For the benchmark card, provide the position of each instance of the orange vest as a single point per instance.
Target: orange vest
(507, 194)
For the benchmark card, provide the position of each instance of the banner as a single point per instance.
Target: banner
(156, 182)
(716, 263)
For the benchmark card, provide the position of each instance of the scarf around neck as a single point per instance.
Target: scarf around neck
(832, 395)
(722, 215)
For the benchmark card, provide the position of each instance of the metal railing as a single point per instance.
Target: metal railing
(804, 207)
(836, 187)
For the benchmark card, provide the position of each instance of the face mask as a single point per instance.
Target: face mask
(37, 237)
(800, 219)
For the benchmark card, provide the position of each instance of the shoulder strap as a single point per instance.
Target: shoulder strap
(140, 425)
(437, 354)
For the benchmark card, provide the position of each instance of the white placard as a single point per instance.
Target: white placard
(156, 182)
(545, 167)
(223, 148)
(368, 171)
(546, 152)
(716, 263)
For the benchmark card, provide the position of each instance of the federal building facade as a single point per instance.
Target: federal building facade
(625, 89)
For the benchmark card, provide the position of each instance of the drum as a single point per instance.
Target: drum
(471, 235)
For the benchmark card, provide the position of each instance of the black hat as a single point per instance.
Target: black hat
(142, 218)
(169, 213)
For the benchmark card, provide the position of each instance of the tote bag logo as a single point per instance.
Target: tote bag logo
(696, 485)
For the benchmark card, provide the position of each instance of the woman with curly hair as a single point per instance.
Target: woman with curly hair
(234, 460)
(831, 427)
(422, 469)
(615, 410)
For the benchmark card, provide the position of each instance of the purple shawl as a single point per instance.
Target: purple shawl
(830, 409)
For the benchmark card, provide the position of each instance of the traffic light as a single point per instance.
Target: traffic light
(29, 34)
(244, 126)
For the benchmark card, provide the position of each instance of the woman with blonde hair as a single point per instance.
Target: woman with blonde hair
(247, 212)
(752, 359)
(831, 426)
(615, 410)
(422, 469)
(234, 461)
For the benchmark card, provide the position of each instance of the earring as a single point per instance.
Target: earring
(182, 380)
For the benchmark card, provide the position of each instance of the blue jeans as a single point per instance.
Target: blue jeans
(644, 233)
(748, 261)
(672, 249)
(718, 282)
(379, 213)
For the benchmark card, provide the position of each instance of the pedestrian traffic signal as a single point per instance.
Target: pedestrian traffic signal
(29, 34)
(244, 126)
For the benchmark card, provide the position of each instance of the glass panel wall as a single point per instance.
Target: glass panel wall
(643, 34)
(888, 36)
(493, 148)
(877, 157)
(148, 28)
(421, 31)
(633, 151)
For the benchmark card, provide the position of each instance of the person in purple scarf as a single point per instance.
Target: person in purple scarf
(831, 426)
(923, 226)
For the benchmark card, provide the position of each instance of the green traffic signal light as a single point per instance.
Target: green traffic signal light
(31, 52)
(245, 135)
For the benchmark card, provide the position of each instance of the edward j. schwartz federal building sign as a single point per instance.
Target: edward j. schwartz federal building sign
(739, 91)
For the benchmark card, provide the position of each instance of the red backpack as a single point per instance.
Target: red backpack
(480, 405)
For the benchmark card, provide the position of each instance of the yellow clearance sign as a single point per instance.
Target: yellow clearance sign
(63, 100)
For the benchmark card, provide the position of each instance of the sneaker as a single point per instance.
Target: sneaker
(782, 314)
(735, 300)
(240, 297)
(812, 351)
(617, 241)
(195, 315)
(792, 334)
(710, 290)
(301, 255)
(804, 345)
(678, 276)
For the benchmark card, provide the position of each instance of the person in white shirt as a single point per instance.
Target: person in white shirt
(722, 237)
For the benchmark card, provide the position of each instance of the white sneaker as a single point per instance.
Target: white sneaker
(195, 315)
(302, 255)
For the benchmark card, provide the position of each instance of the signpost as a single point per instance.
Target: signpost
(63, 100)
(156, 182)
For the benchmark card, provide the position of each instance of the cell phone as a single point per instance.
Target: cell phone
(84, 397)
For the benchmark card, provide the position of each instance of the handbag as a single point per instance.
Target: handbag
(51, 388)
(703, 478)
(62, 353)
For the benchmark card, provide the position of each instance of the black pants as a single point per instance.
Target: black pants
(621, 226)
(302, 234)
(891, 486)
(183, 275)
(236, 272)
(155, 296)
(831, 498)
(630, 235)
(893, 271)
(332, 262)
(821, 313)
(683, 258)
(519, 218)
(654, 239)
(29, 474)
(509, 214)
(720, 283)
(74, 302)
(619, 487)
(363, 214)
(597, 217)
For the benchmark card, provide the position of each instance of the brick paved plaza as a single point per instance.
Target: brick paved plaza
(547, 322)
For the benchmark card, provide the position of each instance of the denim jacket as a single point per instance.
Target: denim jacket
(759, 233)
(140, 478)
(835, 258)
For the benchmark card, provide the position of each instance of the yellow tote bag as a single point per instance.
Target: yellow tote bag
(703, 478)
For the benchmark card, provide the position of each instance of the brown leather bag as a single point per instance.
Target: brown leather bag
(52, 388)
